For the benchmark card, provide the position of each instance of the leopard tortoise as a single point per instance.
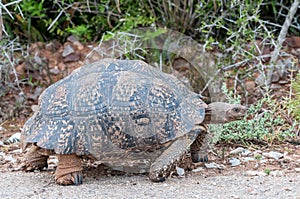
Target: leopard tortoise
(126, 114)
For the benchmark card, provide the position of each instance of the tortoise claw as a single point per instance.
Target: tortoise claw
(77, 178)
(199, 158)
(157, 176)
(74, 178)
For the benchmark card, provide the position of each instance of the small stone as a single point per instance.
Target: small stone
(273, 154)
(78, 45)
(255, 173)
(50, 46)
(257, 152)
(250, 86)
(34, 108)
(9, 158)
(275, 77)
(54, 71)
(17, 151)
(72, 38)
(2, 128)
(214, 165)
(263, 161)
(237, 151)
(15, 138)
(67, 50)
(248, 159)
(234, 162)
(180, 171)
(72, 57)
(246, 153)
(277, 173)
(37, 59)
(197, 169)
(36, 93)
(283, 82)
(1, 143)
(260, 80)
(297, 169)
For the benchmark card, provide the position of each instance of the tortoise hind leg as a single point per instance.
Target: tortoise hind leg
(35, 158)
(69, 170)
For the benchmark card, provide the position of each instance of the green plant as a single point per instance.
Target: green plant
(82, 32)
(295, 101)
(267, 171)
(264, 122)
(258, 157)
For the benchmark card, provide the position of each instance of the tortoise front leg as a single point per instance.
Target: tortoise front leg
(69, 170)
(160, 169)
(199, 148)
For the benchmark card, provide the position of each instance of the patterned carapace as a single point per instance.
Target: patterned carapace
(111, 107)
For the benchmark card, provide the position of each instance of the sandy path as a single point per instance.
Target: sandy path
(40, 185)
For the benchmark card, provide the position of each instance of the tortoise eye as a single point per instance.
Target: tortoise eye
(236, 110)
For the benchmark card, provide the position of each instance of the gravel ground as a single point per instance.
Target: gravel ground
(41, 185)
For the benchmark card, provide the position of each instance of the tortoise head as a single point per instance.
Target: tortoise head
(221, 112)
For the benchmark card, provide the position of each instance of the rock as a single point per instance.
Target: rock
(246, 153)
(237, 151)
(72, 38)
(54, 71)
(34, 107)
(277, 173)
(6, 158)
(234, 162)
(250, 86)
(214, 165)
(72, 57)
(1, 143)
(78, 45)
(197, 169)
(260, 80)
(248, 159)
(2, 128)
(297, 169)
(67, 50)
(15, 138)
(273, 154)
(17, 151)
(9, 158)
(283, 82)
(275, 77)
(180, 171)
(37, 59)
(50, 46)
(36, 93)
(255, 173)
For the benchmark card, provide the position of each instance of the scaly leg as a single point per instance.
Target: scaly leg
(199, 148)
(160, 169)
(34, 159)
(69, 170)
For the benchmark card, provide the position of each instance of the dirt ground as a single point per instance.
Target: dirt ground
(198, 181)
(234, 185)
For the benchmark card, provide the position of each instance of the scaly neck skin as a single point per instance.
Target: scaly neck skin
(220, 112)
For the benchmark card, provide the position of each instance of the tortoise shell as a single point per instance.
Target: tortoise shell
(111, 108)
